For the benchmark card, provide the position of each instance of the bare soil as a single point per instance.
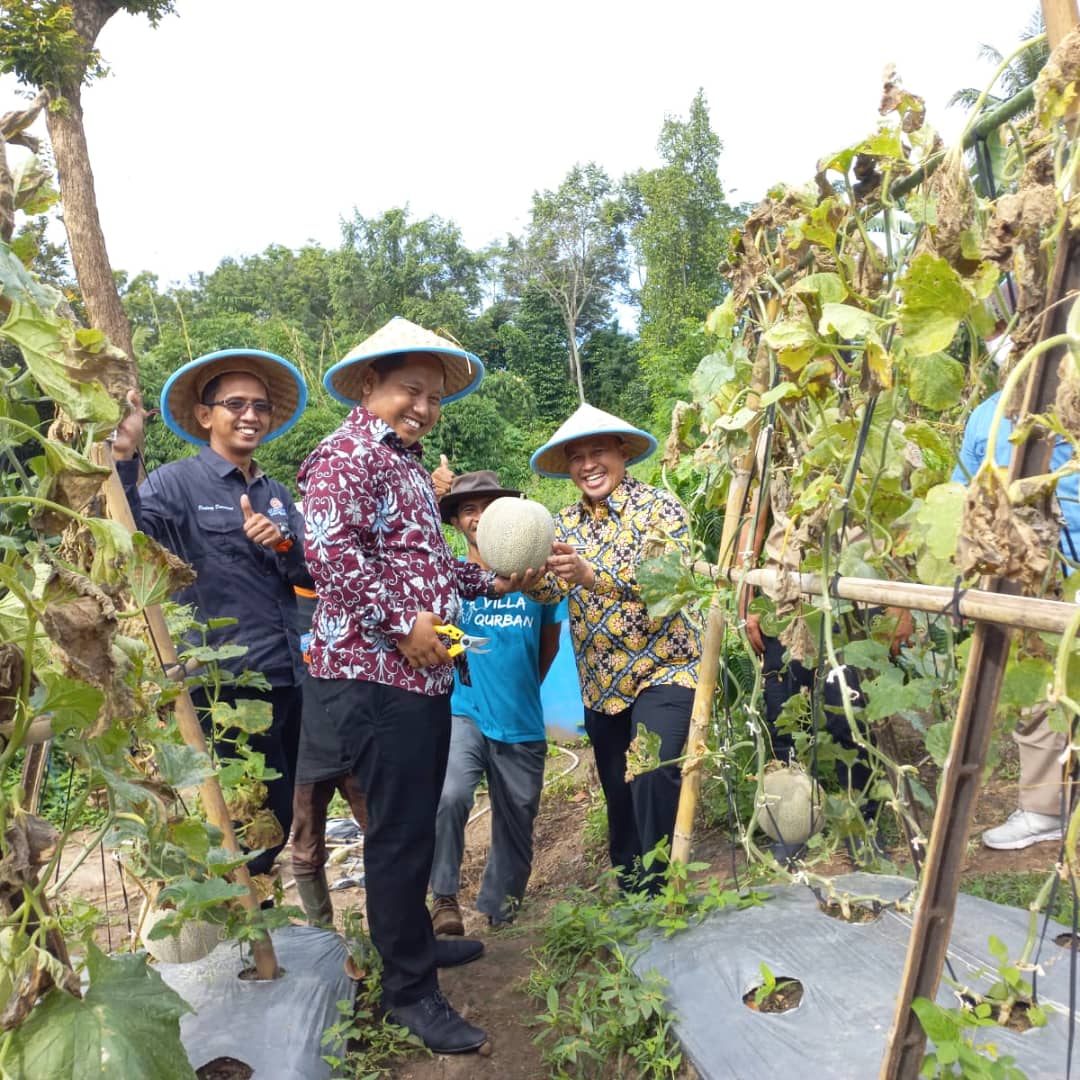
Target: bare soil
(492, 991)
(224, 1068)
(787, 993)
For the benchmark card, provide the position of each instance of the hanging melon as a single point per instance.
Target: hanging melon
(195, 940)
(515, 535)
(789, 806)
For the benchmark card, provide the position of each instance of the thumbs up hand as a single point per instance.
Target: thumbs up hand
(442, 477)
(127, 439)
(258, 528)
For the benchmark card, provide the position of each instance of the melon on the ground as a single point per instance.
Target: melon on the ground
(515, 535)
(787, 809)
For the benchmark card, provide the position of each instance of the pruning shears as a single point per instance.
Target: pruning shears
(460, 641)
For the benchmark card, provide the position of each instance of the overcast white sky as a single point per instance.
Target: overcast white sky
(240, 123)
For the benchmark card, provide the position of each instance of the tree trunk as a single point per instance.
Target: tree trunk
(575, 361)
(86, 241)
(85, 238)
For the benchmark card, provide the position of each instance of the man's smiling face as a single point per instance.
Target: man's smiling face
(408, 398)
(235, 435)
(597, 464)
(467, 518)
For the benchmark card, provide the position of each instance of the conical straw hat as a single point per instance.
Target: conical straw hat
(463, 370)
(550, 459)
(184, 387)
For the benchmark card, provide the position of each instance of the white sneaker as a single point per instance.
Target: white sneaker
(1022, 829)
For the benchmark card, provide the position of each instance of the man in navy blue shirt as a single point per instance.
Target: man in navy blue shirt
(240, 531)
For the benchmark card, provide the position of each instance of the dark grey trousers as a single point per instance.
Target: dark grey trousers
(515, 776)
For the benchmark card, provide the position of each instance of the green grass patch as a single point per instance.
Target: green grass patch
(1019, 890)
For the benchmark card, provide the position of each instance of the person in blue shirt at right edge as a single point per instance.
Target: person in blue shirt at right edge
(497, 729)
(1038, 817)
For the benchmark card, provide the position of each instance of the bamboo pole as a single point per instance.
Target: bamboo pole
(1060, 16)
(936, 905)
(713, 642)
(1020, 612)
(217, 813)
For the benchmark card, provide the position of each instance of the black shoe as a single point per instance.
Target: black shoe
(453, 952)
(434, 1021)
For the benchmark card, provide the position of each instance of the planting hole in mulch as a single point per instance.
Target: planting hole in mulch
(251, 974)
(785, 995)
(224, 1068)
(852, 913)
(1066, 940)
(1017, 1018)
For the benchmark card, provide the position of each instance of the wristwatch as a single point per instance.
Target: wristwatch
(286, 542)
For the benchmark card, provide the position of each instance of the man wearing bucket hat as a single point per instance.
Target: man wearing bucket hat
(241, 532)
(377, 704)
(497, 729)
(634, 670)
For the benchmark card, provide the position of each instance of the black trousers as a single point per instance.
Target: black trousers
(401, 741)
(782, 681)
(278, 745)
(641, 813)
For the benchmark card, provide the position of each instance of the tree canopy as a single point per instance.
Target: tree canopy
(680, 230)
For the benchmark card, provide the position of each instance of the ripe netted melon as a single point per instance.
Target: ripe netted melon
(195, 940)
(515, 535)
(784, 805)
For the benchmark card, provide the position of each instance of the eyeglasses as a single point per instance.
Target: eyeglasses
(239, 405)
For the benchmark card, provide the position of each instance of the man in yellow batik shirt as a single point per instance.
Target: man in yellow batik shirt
(634, 670)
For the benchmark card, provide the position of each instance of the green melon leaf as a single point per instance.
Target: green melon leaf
(127, 1024)
(847, 321)
(940, 515)
(829, 288)
(50, 356)
(934, 301)
(712, 374)
(1025, 683)
(935, 380)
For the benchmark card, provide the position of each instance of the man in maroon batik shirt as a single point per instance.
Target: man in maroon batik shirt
(377, 704)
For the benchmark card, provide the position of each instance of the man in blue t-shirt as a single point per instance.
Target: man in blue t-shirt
(1038, 817)
(498, 729)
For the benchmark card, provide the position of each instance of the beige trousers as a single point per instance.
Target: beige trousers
(1040, 764)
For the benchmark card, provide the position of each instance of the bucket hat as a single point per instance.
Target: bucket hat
(484, 482)
(463, 370)
(550, 459)
(184, 388)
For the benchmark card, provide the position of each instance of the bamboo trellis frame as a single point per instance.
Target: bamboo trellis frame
(940, 882)
(213, 800)
(996, 609)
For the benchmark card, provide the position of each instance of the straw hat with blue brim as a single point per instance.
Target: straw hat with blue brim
(184, 388)
(400, 337)
(550, 459)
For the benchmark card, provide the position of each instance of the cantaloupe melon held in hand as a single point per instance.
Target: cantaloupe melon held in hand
(515, 535)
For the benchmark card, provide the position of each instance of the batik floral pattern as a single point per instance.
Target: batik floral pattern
(620, 650)
(375, 549)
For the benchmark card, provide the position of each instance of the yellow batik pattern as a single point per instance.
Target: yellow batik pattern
(620, 650)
